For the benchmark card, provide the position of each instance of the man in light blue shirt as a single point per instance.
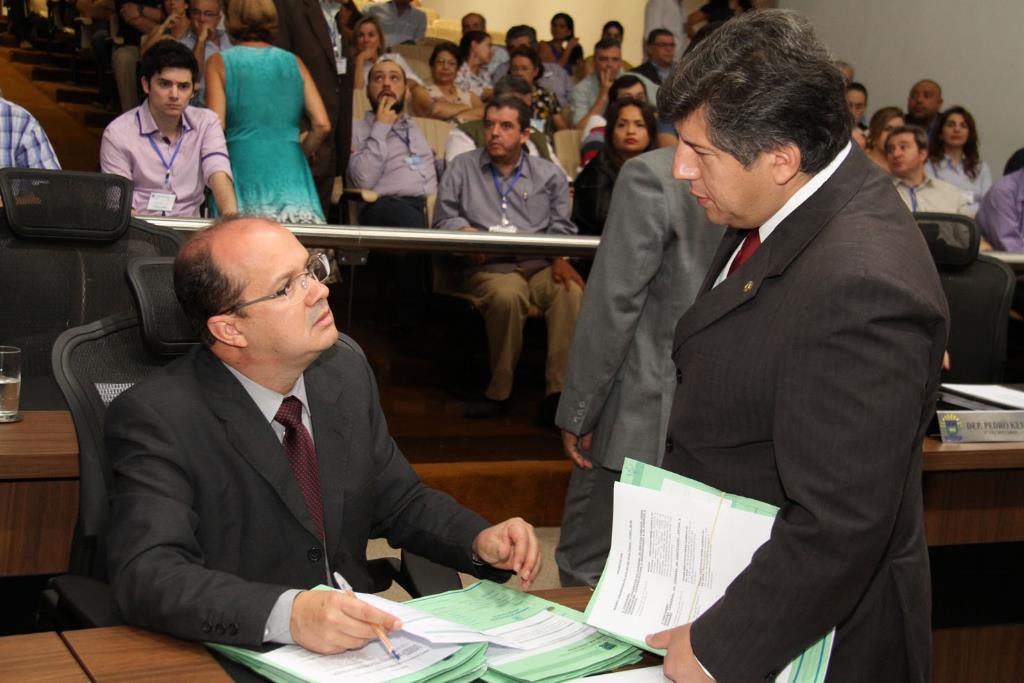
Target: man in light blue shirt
(401, 22)
(205, 39)
(590, 96)
(23, 142)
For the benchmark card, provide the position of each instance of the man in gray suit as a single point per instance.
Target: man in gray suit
(260, 463)
(808, 364)
(655, 250)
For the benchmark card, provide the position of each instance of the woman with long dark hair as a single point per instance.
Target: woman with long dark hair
(564, 47)
(953, 156)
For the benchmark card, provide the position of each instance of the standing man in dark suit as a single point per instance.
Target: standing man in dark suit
(260, 463)
(313, 34)
(808, 365)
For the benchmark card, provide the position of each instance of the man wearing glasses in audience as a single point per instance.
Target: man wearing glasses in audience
(259, 464)
(661, 50)
(205, 39)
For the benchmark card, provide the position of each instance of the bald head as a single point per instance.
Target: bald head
(924, 101)
(474, 21)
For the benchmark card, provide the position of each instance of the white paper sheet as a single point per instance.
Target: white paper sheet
(990, 393)
(369, 664)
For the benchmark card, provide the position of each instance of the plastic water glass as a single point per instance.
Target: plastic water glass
(10, 383)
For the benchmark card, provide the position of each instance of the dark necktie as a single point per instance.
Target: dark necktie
(750, 244)
(298, 446)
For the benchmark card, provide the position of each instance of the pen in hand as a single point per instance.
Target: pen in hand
(383, 637)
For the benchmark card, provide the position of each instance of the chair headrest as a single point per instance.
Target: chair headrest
(43, 204)
(165, 329)
(953, 239)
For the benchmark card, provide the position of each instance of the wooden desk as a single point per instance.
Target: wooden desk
(124, 653)
(38, 657)
(38, 493)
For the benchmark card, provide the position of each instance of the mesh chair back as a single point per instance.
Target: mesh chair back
(165, 329)
(979, 291)
(65, 240)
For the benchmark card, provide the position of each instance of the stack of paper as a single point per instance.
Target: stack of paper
(544, 642)
(676, 545)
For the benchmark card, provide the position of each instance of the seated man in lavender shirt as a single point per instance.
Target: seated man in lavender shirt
(1001, 213)
(171, 152)
(390, 155)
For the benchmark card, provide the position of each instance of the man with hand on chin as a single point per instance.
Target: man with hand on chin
(260, 463)
(171, 152)
(500, 188)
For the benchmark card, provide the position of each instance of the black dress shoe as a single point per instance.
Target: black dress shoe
(478, 410)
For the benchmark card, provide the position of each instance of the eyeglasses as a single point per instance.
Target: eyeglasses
(318, 267)
(206, 14)
(671, 45)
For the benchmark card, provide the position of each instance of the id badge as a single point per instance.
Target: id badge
(412, 160)
(161, 201)
(511, 229)
(341, 64)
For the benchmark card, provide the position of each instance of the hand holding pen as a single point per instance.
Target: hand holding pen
(329, 622)
(344, 586)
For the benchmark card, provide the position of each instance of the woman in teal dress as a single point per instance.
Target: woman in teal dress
(261, 94)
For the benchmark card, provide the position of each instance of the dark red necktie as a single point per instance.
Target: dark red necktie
(298, 446)
(750, 244)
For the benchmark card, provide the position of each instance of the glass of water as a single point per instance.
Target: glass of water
(10, 383)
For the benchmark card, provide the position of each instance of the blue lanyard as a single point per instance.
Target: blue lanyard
(504, 193)
(167, 164)
(407, 138)
(913, 200)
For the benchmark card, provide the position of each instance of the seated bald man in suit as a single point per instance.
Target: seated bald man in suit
(260, 463)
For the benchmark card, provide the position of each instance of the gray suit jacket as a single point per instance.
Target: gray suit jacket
(209, 526)
(655, 250)
(808, 378)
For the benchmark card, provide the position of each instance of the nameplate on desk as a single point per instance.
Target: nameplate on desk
(972, 426)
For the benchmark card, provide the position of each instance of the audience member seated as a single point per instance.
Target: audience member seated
(97, 31)
(546, 113)
(474, 21)
(370, 49)
(670, 16)
(661, 50)
(553, 79)
(1001, 213)
(390, 155)
(442, 98)
(23, 143)
(857, 102)
(170, 151)
(923, 105)
(631, 131)
(628, 85)
(846, 69)
(262, 94)
(475, 48)
(883, 122)
(138, 17)
(907, 149)
(612, 30)
(715, 10)
(471, 135)
(954, 157)
(590, 96)
(532, 197)
(173, 27)
(260, 461)
(205, 38)
(400, 22)
(1015, 162)
(564, 47)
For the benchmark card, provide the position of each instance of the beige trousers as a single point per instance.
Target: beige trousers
(506, 300)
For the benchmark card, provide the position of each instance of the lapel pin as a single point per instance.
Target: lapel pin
(747, 287)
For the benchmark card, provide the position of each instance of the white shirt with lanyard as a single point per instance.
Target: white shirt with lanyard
(330, 10)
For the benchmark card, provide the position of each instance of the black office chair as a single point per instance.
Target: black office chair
(65, 240)
(979, 290)
(93, 364)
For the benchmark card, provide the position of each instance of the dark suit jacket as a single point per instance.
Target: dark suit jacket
(209, 526)
(301, 29)
(807, 380)
(648, 71)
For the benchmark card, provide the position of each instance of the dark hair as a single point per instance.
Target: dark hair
(568, 22)
(202, 288)
(859, 87)
(607, 44)
(877, 124)
(612, 24)
(511, 85)
(919, 134)
(612, 114)
(449, 47)
(483, 19)
(468, 38)
(168, 54)
(520, 30)
(354, 14)
(705, 31)
(510, 102)
(621, 83)
(763, 80)
(657, 33)
(971, 158)
(530, 54)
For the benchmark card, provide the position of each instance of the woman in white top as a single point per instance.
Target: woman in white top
(442, 99)
(954, 157)
(473, 76)
(370, 46)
